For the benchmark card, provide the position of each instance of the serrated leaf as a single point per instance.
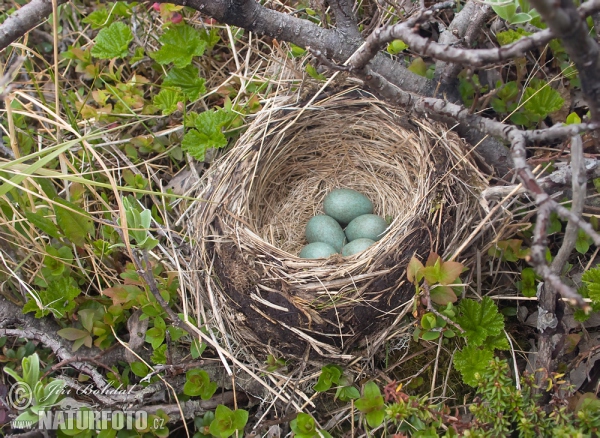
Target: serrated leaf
(540, 99)
(510, 36)
(497, 342)
(472, 362)
(112, 42)
(188, 80)
(179, 45)
(74, 222)
(479, 320)
(167, 100)
(207, 133)
(591, 278)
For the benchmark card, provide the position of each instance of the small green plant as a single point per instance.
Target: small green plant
(371, 404)
(33, 394)
(513, 11)
(197, 383)
(333, 375)
(304, 426)
(227, 422)
(439, 275)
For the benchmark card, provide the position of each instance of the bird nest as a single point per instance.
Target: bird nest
(256, 200)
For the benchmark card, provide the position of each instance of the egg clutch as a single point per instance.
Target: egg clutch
(343, 208)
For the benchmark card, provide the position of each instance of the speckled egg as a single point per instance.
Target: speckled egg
(368, 226)
(325, 229)
(317, 250)
(345, 204)
(356, 246)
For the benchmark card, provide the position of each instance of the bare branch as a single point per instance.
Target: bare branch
(578, 183)
(462, 31)
(22, 21)
(344, 19)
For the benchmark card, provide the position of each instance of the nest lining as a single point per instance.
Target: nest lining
(260, 196)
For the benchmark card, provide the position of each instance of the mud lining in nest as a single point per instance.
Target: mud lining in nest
(258, 198)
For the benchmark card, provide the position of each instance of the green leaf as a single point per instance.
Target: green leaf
(75, 222)
(198, 384)
(159, 355)
(371, 404)
(418, 66)
(313, 73)
(396, 47)
(375, 418)
(510, 36)
(414, 271)
(167, 100)
(330, 374)
(442, 295)
(188, 80)
(197, 348)
(303, 426)
(591, 278)
(296, 51)
(573, 119)
(554, 224)
(527, 286)
(347, 393)
(431, 335)
(472, 362)
(429, 321)
(179, 45)
(583, 242)
(31, 370)
(540, 99)
(497, 343)
(226, 421)
(52, 391)
(98, 18)
(207, 133)
(140, 369)
(72, 334)
(43, 223)
(58, 298)
(112, 42)
(479, 320)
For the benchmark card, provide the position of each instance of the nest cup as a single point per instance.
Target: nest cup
(256, 201)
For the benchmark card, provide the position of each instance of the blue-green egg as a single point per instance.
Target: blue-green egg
(345, 204)
(368, 226)
(317, 250)
(325, 229)
(356, 246)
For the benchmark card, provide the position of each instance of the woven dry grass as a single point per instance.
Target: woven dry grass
(257, 199)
